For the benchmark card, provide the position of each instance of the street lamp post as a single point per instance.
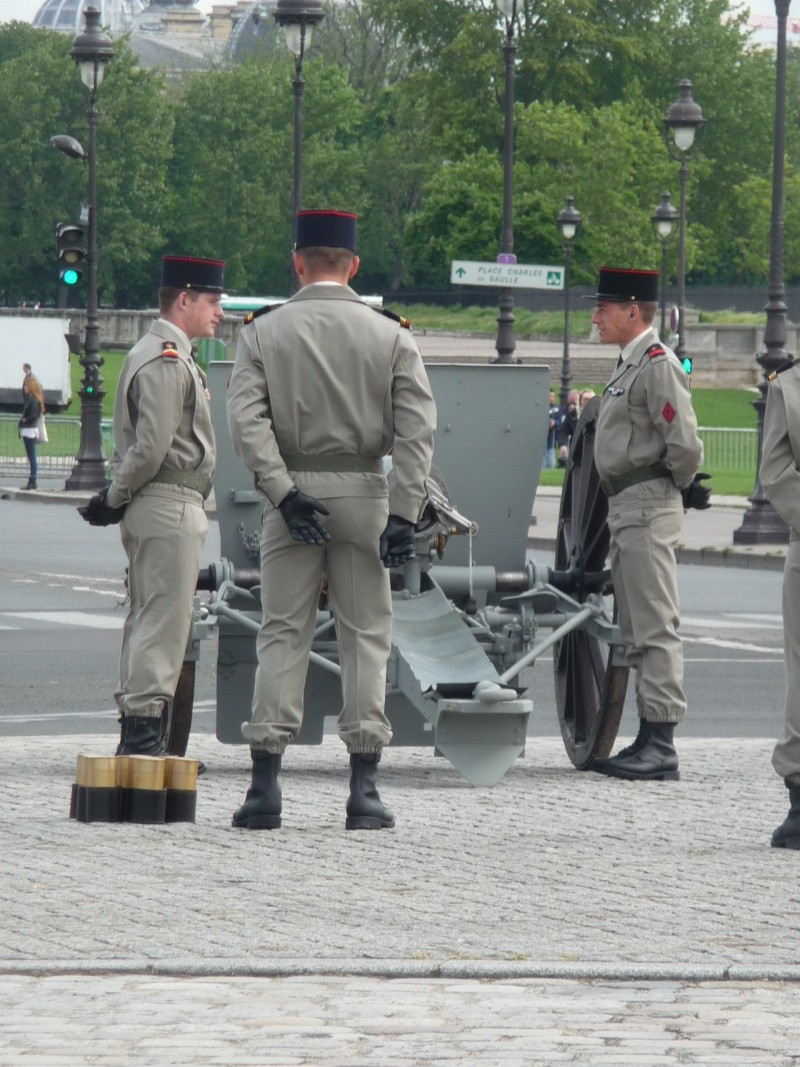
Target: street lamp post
(684, 121)
(506, 343)
(762, 525)
(568, 220)
(91, 51)
(663, 219)
(298, 18)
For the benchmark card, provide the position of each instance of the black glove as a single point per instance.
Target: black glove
(98, 513)
(300, 515)
(696, 495)
(396, 545)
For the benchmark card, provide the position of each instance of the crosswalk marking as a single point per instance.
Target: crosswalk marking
(70, 618)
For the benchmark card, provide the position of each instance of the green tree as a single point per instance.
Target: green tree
(40, 187)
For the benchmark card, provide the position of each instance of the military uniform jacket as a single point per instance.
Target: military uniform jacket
(646, 416)
(161, 415)
(326, 374)
(780, 451)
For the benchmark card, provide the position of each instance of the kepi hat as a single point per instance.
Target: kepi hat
(627, 286)
(325, 229)
(188, 272)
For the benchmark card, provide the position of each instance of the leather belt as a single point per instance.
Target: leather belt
(330, 461)
(615, 483)
(201, 483)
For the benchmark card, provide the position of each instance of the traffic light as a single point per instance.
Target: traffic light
(686, 363)
(71, 253)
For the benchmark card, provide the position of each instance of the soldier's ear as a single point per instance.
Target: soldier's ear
(355, 263)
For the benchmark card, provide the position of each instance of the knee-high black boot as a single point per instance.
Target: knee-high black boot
(262, 805)
(365, 811)
(787, 834)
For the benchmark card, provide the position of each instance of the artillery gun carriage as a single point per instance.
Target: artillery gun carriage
(471, 612)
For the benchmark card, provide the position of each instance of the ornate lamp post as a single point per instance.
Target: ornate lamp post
(568, 220)
(298, 19)
(683, 121)
(505, 343)
(762, 525)
(91, 50)
(663, 219)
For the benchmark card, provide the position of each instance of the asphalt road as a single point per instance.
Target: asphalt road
(61, 612)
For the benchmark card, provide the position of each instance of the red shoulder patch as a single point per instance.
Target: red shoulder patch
(668, 412)
(169, 349)
(656, 350)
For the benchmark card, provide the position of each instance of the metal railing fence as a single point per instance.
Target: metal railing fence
(54, 457)
(726, 448)
(729, 449)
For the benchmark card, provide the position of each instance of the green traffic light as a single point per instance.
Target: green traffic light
(686, 363)
(89, 389)
(70, 276)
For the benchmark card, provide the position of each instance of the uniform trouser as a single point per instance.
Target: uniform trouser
(30, 452)
(645, 522)
(358, 586)
(786, 756)
(163, 531)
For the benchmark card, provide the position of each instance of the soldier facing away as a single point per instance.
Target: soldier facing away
(164, 458)
(780, 479)
(647, 453)
(323, 387)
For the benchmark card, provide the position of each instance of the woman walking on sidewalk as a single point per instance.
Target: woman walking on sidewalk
(31, 424)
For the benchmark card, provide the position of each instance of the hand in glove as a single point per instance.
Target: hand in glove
(396, 545)
(696, 495)
(98, 513)
(300, 515)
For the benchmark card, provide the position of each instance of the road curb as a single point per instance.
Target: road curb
(454, 970)
(704, 557)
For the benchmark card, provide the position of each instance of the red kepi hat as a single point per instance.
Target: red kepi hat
(187, 272)
(627, 286)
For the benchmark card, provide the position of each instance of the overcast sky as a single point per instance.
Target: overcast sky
(26, 9)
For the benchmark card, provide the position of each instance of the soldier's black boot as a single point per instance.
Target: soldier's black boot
(143, 735)
(651, 757)
(262, 805)
(788, 833)
(364, 808)
(31, 484)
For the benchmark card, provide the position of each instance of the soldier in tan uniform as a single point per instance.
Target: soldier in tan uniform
(647, 453)
(164, 459)
(323, 388)
(780, 480)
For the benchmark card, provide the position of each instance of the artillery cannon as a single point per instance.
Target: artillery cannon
(471, 612)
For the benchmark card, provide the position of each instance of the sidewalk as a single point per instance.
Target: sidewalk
(560, 917)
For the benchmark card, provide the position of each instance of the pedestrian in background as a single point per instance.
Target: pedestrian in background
(585, 397)
(647, 453)
(566, 428)
(27, 375)
(780, 480)
(164, 454)
(323, 388)
(31, 425)
(552, 431)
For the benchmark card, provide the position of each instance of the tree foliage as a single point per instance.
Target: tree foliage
(403, 123)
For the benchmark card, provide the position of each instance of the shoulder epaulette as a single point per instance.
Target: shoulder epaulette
(251, 315)
(784, 366)
(170, 349)
(405, 323)
(654, 350)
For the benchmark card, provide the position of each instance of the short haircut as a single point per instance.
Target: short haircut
(323, 260)
(167, 297)
(648, 310)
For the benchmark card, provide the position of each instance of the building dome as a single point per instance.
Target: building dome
(66, 16)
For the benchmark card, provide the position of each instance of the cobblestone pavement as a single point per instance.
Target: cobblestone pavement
(558, 917)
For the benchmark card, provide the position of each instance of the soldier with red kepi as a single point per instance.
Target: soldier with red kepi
(323, 387)
(164, 454)
(647, 453)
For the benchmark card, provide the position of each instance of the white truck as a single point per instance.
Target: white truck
(38, 338)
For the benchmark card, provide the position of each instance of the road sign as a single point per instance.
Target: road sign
(506, 275)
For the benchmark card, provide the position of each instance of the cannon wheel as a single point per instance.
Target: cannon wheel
(590, 690)
(182, 705)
